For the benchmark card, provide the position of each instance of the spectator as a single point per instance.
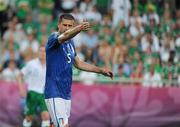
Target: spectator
(78, 14)
(23, 7)
(151, 14)
(11, 46)
(152, 78)
(137, 74)
(136, 28)
(121, 10)
(121, 73)
(86, 5)
(103, 54)
(90, 39)
(31, 42)
(14, 29)
(150, 41)
(93, 15)
(137, 5)
(122, 29)
(167, 45)
(46, 9)
(29, 25)
(106, 33)
(68, 5)
(6, 13)
(9, 74)
(106, 21)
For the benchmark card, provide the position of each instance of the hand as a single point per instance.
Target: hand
(85, 25)
(107, 72)
(23, 93)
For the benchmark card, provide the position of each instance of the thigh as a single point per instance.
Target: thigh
(42, 104)
(59, 110)
(31, 103)
(68, 107)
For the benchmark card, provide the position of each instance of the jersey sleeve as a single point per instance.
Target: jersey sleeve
(26, 69)
(52, 40)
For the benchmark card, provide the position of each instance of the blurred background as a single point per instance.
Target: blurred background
(138, 39)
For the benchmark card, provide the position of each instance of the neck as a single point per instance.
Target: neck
(42, 61)
(59, 32)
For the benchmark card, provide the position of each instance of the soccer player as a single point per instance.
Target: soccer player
(34, 75)
(60, 58)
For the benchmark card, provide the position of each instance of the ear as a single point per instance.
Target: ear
(59, 24)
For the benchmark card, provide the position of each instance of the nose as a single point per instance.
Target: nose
(67, 27)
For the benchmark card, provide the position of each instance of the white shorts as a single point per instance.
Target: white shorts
(59, 110)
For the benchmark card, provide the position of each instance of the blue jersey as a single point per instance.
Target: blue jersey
(59, 62)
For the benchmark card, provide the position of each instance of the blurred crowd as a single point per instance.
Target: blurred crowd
(138, 39)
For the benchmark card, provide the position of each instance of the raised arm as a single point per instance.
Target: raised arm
(73, 31)
(92, 68)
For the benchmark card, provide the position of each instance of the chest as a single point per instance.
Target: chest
(68, 51)
(38, 71)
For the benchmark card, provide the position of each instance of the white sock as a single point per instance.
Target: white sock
(45, 123)
(27, 123)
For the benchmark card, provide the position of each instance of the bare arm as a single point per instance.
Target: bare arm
(91, 68)
(73, 31)
(21, 86)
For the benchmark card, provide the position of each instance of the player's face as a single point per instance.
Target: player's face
(42, 53)
(65, 25)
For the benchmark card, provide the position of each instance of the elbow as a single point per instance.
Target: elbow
(77, 64)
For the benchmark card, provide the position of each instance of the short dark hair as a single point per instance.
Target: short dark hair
(66, 16)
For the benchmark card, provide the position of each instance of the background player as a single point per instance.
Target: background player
(34, 74)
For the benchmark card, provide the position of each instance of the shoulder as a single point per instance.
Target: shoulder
(52, 40)
(71, 41)
(53, 35)
(32, 62)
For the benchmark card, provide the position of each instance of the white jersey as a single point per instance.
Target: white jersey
(34, 72)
